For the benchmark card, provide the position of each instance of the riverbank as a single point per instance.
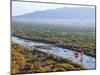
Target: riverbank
(88, 61)
(26, 60)
(54, 43)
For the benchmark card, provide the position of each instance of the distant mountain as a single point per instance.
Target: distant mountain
(80, 13)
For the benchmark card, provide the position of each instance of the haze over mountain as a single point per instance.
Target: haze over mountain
(80, 13)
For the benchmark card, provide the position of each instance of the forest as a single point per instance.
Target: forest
(26, 60)
(75, 37)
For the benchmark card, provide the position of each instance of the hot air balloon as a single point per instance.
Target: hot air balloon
(77, 55)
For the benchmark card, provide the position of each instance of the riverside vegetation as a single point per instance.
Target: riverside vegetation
(74, 37)
(26, 60)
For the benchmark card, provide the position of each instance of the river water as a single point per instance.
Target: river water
(88, 61)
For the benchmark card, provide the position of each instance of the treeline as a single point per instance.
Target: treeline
(75, 38)
(25, 60)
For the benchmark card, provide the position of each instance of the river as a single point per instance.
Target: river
(88, 61)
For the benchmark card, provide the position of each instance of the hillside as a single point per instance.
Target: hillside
(80, 13)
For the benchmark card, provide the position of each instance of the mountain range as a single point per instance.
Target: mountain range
(81, 13)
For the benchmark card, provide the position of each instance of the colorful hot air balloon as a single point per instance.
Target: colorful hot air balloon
(77, 55)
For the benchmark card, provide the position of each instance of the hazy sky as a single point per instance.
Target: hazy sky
(20, 8)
